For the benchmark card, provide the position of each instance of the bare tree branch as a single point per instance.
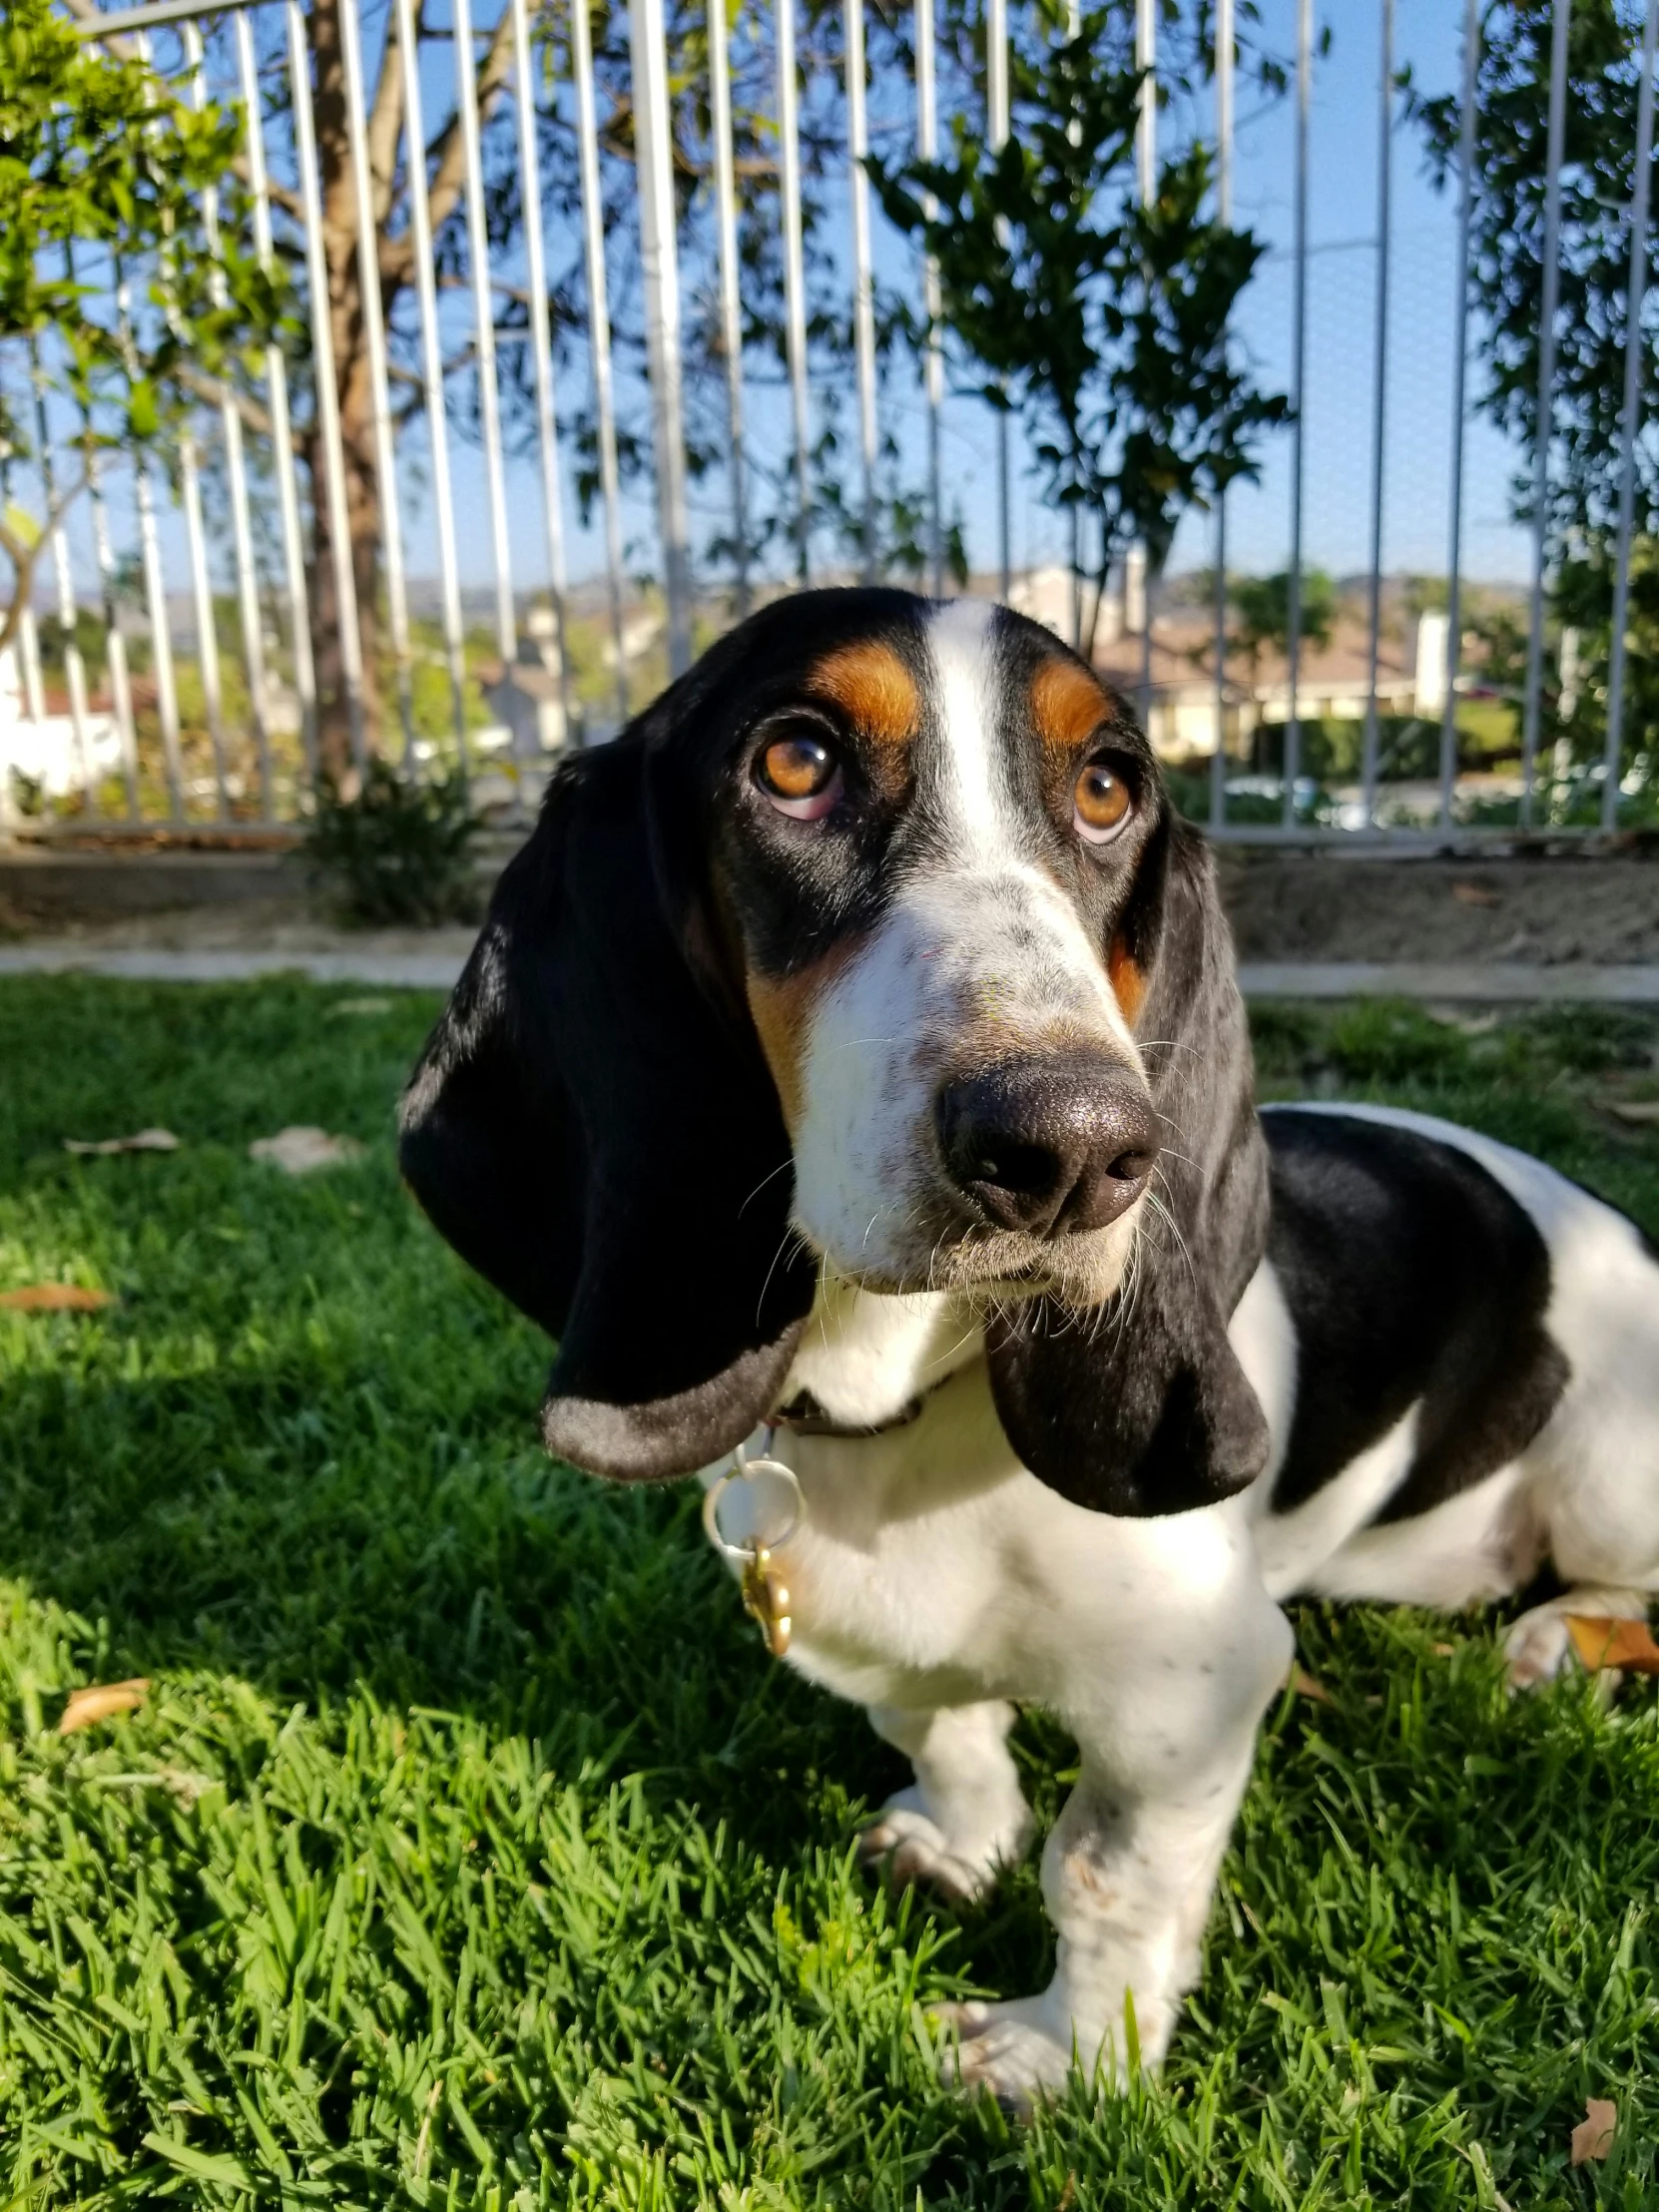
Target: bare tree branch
(25, 556)
(447, 151)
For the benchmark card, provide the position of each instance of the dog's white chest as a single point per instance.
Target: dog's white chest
(930, 1568)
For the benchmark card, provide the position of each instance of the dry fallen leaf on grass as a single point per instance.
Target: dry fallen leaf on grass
(1474, 894)
(1593, 2136)
(302, 1150)
(1608, 1643)
(101, 1701)
(55, 1297)
(1642, 1111)
(1303, 1683)
(145, 1140)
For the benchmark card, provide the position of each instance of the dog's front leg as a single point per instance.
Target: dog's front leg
(965, 1817)
(1166, 1729)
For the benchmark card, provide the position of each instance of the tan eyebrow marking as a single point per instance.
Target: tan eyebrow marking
(1067, 705)
(873, 688)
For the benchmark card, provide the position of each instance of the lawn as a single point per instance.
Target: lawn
(468, 1850)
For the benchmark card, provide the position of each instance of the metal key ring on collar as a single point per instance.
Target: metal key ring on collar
(745, 1470)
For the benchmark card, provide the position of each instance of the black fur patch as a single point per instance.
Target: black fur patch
(1410, 1274)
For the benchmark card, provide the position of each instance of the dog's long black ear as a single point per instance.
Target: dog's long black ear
(591, 1131)
(1141, 1406)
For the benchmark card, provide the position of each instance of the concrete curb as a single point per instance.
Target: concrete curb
(1486, 982)
(1470, 983)
(427, 971)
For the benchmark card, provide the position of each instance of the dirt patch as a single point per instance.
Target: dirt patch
(1320, 907)
(1284, 907)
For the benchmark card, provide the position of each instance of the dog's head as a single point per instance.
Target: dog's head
(874, 942)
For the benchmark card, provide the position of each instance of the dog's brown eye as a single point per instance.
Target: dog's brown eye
(799, 775)
(1100, 802)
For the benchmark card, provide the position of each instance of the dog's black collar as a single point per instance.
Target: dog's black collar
(804, 1416)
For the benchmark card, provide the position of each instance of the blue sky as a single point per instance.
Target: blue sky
(1341, 277)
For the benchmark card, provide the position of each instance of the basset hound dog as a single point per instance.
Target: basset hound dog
(855, 1053)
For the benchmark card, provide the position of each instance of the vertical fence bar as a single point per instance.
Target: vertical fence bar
(276, 388)
(374, 343)
(863, 282)
(996, 135)
(541, 341)
(1224, 215)
(202, 602)
(1455, 547)
(1379, 413)
(28, 652)
(1554, 147)
(928, 146)
(155, 595)
(326, 390)
(483, 334)
(659, 256)
(161, 641)
(1146, 177)
(731, 305)
(1299, 365)
(74, 667)
(207, 635)
(431, 359)
(1075, 132)
(795, 280)
(1635, 298)
(115, 642)
(599, 332)
(235, 477)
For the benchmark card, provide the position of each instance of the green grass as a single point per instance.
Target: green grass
(469, 1852)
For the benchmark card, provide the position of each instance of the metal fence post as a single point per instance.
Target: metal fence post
(653, 145)
(1298, 383)
(431, 359)
(374, 340)
(731, 303)
(1378, 404)
(927, 147)
(1554, 147)
(864, 288)
(996, 136)
(1454, 548)
(599, 332)
(1635, 298)
(1224, 215)
(794, 279)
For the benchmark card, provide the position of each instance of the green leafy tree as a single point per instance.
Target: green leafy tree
(1583, 421)
(1103, 323)
(98, 158)
(1261, 607)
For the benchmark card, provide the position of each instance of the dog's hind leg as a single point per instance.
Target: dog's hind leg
(1538, 1645)
(965, 1817)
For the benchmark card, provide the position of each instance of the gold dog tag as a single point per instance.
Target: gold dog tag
(767, 1601)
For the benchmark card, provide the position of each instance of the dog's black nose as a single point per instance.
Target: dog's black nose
(1053, 1145)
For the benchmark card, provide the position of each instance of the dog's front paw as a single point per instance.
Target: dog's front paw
(1010, 2050)
(906, 1846)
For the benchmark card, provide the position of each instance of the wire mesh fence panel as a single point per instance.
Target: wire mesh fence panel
(494, 357)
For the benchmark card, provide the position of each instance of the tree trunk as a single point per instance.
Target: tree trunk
(354, 397)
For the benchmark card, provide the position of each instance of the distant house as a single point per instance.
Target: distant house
(42, 754)
(527, 697)
(1333, 681)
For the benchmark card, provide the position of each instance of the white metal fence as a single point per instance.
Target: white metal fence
(184, 595)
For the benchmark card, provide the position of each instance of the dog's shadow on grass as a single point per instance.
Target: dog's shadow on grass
(245, 1530)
